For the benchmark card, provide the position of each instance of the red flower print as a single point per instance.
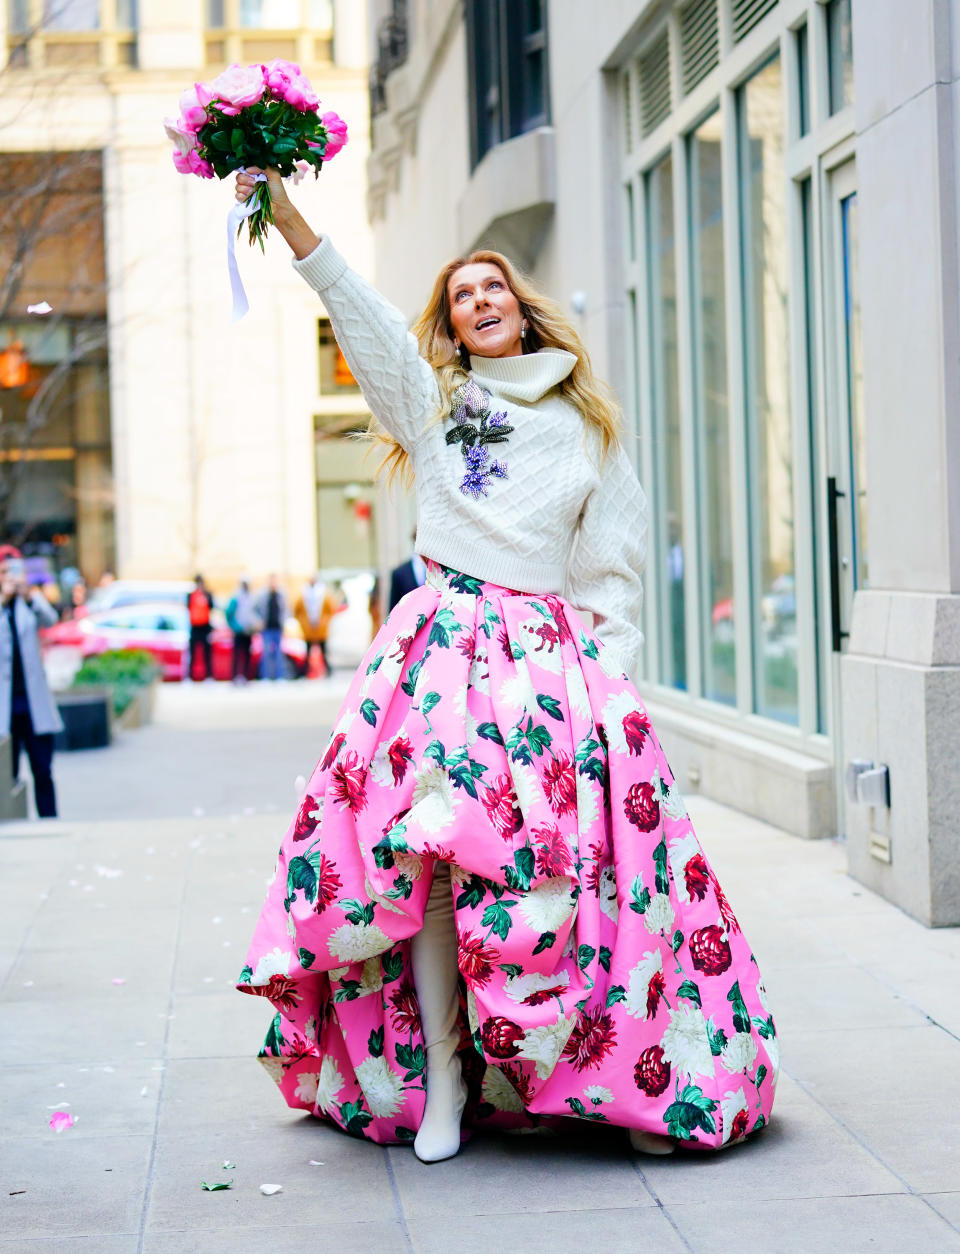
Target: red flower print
(563, 631)
(636, 728)
(710, 950)
(403, 647)
(654, 993)
(560, 785)
(726, 911)
(739, 1127)
(595, 873)
(348, 783)
(540, 995)
(697, 876)
(641, 807)
(553, 855)
(303, 824)
(549, 636)
(405, 1014)
(400, 754)
(652, 1072)
(328, 883)
(500, 803)
(296, 1050)
(466, 645)
(336, 744)
(520, 1081)
(504, 642)
(500, 1037)
(283, 992)
(474, 957)
(591, 1040)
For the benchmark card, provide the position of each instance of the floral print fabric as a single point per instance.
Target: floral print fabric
(604, 974)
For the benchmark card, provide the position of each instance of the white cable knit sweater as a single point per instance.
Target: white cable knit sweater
(561, 520)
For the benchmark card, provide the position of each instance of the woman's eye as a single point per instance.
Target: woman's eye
(495, 283)
(460, 295)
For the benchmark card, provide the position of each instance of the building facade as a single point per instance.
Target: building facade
(184, 442)
(749, 207)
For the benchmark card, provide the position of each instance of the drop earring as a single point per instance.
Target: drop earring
(523, 329)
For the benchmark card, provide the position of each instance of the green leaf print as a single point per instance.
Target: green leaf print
(491, 619)
(615, 993)
(369, 709)
(246, 975)
(413, 1059)
(444, 627)
(741, 1020)
(585, 955)
(585, 748)
(682, 1117)
(605, 958)
(551, 706)
(354, 1117)
(662, 878)
(349, 990)
(467, 584)
(576, 1105)
(404, 1134)
(695, 1096)
(593, 768)
(497, 918)
(301, 875)
(410, 682)
(676, 941)
(760, 1123)
(717, 1038)
(690, 991)
(307, 959)
(541, 609)
(761, 1075)
(375, 664)
(490, 731)
(402, 888)
(764, 1027)
(273, 1042)
(436, 751)
(428, 702)
(539, 738)
(357, 911)
(519, 875)
(375, 1043)
(513, 969)
(516, 652)
(640, 895)
(590, 649)
(547, 941)
(464, 774)
(391, 964)
(383, 856)
(474, 891)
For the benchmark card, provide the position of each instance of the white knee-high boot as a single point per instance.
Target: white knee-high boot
(433, 953)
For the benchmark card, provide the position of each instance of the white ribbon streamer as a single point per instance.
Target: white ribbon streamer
(241, 210)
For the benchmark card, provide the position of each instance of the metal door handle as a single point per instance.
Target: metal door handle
(833, 495)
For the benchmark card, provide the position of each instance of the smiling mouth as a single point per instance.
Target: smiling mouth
(484, 323)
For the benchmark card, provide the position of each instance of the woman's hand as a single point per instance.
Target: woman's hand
(286, 216)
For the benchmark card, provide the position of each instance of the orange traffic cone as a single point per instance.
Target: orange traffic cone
(315, 666)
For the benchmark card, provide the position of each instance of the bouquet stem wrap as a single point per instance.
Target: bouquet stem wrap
(242, 210)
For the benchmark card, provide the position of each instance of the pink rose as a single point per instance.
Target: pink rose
(192, 113)
(204, 92)
(336, 130)
(183, 138)
(300, 94)
(238, 87)
(278, 73)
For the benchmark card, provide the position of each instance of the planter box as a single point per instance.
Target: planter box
(87, 722)
(140, 710)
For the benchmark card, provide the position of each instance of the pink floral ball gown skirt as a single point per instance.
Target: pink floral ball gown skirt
(604, 974)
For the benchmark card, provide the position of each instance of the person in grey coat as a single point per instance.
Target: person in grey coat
(27, 707)
(271, 608)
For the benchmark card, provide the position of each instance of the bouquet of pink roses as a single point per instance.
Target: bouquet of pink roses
(254, 115)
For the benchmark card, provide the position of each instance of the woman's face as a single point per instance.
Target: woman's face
(484, 312)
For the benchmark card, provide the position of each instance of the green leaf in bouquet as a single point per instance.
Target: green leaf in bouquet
(237, 138)
(284, 145)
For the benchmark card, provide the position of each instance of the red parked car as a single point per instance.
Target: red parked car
(163, 629)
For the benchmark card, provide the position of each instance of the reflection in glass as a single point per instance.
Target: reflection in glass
(270, 14)
(840, 52)
(858, 448)
(710, 399)
(666, 409)
(71, 15)
(769, 426)
(803, 80)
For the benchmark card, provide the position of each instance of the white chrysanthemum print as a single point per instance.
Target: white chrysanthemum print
(479, 675)
(434, 800)
(291, 927)
(391, 668)
(608, 894)
(588, 807)
(526, 785)
(499, 1092)
(679, 854)
(739, 1052)
(671, 799)
(276, 962)
(763, 995)
(329, 1084)
(685, 1043)
(306, 1090)
(597, 1094)
(772, 1046)
(638, 986)
(543, 1046)
(371, 978)
(516, 692)
(658, 916)
(310, 1028)
(460, 701)
(337, 973)
(548, 906)
(272, 1066)
(615, 709)
(343, 725)
(610, 662)
(731, 1105)
(577, 694)
(381, 768)
(473, 1014)
(538, 649)
(355, 942)
(382, 1087)
(519, 987)
(408, 863)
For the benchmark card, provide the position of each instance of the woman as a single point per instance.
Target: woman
(242, 621)
(493, 801)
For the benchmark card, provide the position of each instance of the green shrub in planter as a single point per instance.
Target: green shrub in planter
(122, 671)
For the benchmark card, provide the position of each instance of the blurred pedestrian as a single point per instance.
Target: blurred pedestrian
(242, 621)
(408, 575)
(199, 605)
(315, 606)
(271, 606)
(27, 706)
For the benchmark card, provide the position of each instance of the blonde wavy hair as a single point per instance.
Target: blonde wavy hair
(547, 327)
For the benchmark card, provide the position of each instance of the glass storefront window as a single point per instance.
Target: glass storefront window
(72, 15)
(854, 363)
(715, 522)
(769, 424)
(840, 53)
(667, 448)
(270, 14)
(803, 80)
(812, 380)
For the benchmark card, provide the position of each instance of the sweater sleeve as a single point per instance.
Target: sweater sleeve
(610, 551)
(399, 386)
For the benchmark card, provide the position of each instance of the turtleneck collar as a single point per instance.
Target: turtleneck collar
(525, 378)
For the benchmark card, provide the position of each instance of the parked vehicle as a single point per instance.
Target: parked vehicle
(122, 592)
(163, 629)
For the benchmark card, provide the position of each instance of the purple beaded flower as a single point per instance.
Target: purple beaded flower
(475, 428)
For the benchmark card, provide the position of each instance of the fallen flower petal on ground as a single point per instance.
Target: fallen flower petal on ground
(268, 1190)
(61, 1120)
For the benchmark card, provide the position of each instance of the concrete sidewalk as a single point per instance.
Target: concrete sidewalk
(863, 1152)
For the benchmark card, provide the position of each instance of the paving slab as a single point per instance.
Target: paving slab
(627, 1230)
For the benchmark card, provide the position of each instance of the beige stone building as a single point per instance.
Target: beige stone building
(750, 208)
(182, 442)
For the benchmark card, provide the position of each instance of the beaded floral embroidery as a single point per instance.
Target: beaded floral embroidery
(474, 428)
